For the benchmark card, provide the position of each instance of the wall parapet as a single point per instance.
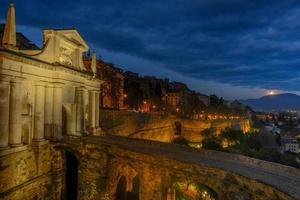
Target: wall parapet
(217, 155)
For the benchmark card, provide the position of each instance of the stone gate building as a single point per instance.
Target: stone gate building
(45, 94)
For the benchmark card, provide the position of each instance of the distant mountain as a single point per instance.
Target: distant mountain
(275, 103)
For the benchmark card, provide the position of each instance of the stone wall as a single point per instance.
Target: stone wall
(161, 128)
(157, 173)
(137, 125)
(27, 173)
(191, 129)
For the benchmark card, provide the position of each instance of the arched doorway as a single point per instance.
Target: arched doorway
(134, 193)
(121, 193)
(71, 178)
(128, 191)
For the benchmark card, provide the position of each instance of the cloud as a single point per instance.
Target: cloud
(252, 44)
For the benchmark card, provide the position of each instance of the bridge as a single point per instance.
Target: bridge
(53, 147)
(160, 165)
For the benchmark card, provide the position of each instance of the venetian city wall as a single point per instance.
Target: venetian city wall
(161, 127)
(31, 173)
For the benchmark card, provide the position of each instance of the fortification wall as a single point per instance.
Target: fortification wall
(161, 128)
(137, 125)
(26, 173)
(191, 129)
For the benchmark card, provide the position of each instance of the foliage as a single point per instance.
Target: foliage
(269, 154)
(290, 159)
(192, 191)
(250, 144)
(231, 134)
(207, 133)
(253, 141)
(181, 141)
(212, 143)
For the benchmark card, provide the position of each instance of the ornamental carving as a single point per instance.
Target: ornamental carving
(65, 56)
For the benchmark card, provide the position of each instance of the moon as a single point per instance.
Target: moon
(271, 93)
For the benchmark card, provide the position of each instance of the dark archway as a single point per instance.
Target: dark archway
(123, 194)
(134, 194)
(71, 178)
(178, 128)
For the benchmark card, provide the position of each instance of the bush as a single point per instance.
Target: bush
(290, 159)
(231, 134)
(181, 141)
(269, 154)
(212, 143)
(253, 141)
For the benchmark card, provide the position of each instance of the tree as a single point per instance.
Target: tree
(212, 143)
(231, 137)
(253, 141)
(181, 140)
(269, 154)
(208, 133)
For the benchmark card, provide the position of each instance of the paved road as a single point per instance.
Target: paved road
(286, 179)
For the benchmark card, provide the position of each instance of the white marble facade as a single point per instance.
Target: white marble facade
(47, 93)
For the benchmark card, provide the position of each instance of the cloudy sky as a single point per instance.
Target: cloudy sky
(234, 48)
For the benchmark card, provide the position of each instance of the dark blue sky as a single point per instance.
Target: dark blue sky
(235, 48)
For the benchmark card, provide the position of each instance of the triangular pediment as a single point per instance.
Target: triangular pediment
(63, 46)
(72, 36)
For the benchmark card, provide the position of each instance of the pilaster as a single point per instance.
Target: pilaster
(15, 120)
(57, 109)
(49, 111)
(80, 102)
(4, 114)
(92, 107)
(97, 107)
(39, 111)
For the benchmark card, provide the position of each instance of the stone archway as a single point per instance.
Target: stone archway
(71, 176)
(128, 189)
(123, 183)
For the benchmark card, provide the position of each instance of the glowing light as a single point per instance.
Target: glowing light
(271, 92)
